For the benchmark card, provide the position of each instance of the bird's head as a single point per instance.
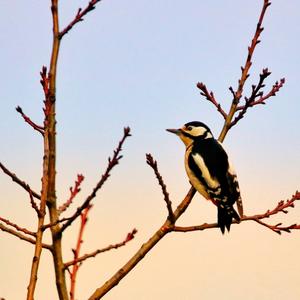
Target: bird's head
(192, 131)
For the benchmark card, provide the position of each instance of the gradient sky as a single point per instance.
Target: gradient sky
(136, 63)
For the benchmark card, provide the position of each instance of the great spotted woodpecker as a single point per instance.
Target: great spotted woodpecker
(210, 172)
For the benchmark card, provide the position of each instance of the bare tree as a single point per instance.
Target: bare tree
(46, 203)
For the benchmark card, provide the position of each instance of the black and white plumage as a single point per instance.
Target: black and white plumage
(210, 172)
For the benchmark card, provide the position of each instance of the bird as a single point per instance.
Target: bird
(210, 171)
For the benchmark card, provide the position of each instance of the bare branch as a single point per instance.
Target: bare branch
(76, 251)
(211, 98)
(79, 17)
(144, 249)
(48, 194)
(45, 82)
(58, 221)
(36, 127)
(280, 208)
(73, 192)
(23, 237)
(245, 73)
(130, 236)
(278, 228)
(153, 164)
(23, 184)
(22, 229)
(112, 162)
(257, 96)
(34, 205)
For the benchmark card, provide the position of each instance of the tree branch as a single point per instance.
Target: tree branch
(76, 251)
(34, 205)
(280, 208)
(48, 194)
(257, 96)
(153, 164)
(73, 192)
(79, 17)
(130, 236)
(23, 184)
(22, 236)
(18, 228)
(145, 248)
(36, 127)
(112, 162)
(245, 72)
(211, 98)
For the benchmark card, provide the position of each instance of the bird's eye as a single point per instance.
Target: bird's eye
(189, 128)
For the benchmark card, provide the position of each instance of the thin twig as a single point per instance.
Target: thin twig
(153, 164)
(280, 208)
(33, 204)
(17, 227)
(76, 251)
(278, 228)
(58, 221)
(79, 17)
(257, 96)
(112, 162)
(22, 236)
(45, 82)
(130, 236)
(16, 179)
(144, 249)
(211, 98)
(245, 72)
(73, 192)
(36, 127)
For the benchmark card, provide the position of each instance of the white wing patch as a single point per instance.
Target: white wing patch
(232, 172)
(211, 182)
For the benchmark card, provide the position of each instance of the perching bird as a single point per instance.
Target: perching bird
(210, 172)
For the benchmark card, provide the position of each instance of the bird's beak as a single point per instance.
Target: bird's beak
(176, 131)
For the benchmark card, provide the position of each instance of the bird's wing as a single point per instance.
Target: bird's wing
(209, 162)
(234, 185)
(233, 182)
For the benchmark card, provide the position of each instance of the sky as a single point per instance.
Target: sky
(136, 63)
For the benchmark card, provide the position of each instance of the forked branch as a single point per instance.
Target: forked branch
(130, 236)
(257, 96)
(281, 207)
(73, 192)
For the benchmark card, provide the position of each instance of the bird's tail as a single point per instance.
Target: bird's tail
(225, 215)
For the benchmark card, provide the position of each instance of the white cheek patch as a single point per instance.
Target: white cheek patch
(200, 131)
(211, 182)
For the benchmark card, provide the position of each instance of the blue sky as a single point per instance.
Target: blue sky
(136, 63)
